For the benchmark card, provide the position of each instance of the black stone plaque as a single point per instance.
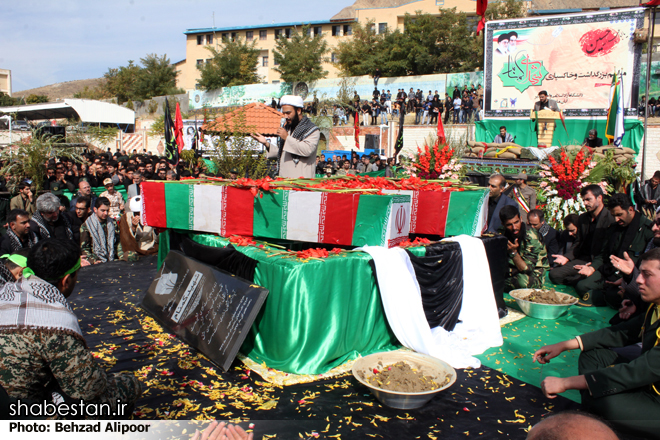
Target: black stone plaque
(207, 308)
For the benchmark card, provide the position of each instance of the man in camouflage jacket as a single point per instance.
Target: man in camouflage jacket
(42, 349)
(527, 259)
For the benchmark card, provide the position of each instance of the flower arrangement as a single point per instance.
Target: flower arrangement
(562, 182)
(436, 162)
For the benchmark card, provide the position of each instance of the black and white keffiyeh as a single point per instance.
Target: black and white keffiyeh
(17, 244)
(34, 304)
(304, 128)
(103, 245)
(44, 232)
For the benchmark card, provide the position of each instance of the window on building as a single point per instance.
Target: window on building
(233, 36)
(264, 61)
(200, 40)
(348, 29)
(318, 30)
(249, 35)
(275, 63)
(382, 28)
(275, 82)
(200, 62)
(333, 57)
(224, 35)
(209, 39)
(336, 31)
(373, 27)
(208, 60)
(439, 2)
(277, 33)
(263, 35)
(287, 32)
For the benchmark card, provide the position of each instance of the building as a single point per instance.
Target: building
(386, 15)
(5, 81)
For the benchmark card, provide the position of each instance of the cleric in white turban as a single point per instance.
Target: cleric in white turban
(299, 139)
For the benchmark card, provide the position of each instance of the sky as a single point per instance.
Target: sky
(46, 42)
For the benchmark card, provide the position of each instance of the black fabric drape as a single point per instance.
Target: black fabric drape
(496, 253)
(226, 258)
(440, 278)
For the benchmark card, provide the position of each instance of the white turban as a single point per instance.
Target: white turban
(293, 100)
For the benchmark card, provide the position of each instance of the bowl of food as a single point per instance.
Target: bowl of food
(543, 303)
(403, 380)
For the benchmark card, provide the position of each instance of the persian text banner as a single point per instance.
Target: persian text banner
(573, 57)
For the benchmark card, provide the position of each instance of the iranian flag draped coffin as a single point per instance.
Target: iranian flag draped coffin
(447, 213)
(318, 217)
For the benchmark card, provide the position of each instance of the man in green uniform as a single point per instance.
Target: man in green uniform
(624, 391)
(528, 259)
(42, 349)
(629, 233)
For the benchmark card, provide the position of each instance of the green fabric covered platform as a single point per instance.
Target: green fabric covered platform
(523, 337)
(578, 129)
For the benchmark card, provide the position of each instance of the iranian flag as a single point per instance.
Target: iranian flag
(317, 217)
(614, 129)
(447, 213)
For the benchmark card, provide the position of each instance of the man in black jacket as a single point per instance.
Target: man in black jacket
(591, 237)
(630, 233)
(548, 234)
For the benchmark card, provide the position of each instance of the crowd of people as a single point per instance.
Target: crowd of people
(343, 166)
(610, 254)
(461, 107)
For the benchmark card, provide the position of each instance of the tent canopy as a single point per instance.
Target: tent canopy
(89, 111)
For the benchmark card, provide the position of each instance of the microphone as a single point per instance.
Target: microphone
(282, 122)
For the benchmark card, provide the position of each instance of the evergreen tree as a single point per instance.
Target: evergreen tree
(234, 65)
(300, 57)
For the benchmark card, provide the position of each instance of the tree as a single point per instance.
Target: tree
(234, 65)
(36, 99)
(361, 54)
(120, 81)
(29, 158)
(505, 9)
(156, 78)
(7, 101)
(300, 57)
(234, 148)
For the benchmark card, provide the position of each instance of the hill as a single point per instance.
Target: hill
(60, 90)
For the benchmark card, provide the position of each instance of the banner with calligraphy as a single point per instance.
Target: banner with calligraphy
(573, 57)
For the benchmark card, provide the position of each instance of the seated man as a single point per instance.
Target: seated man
(630, 233)
(503, 136)
(42, 349)
(622, 391)
(591, 235)
(592, 140)
(547, 234)
(528, 259)
(18, 235)
(99, 235)
(47, 221)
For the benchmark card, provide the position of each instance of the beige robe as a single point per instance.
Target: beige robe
(306, 149)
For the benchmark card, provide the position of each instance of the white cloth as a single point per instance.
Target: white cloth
(402, 301)
(542, 153)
